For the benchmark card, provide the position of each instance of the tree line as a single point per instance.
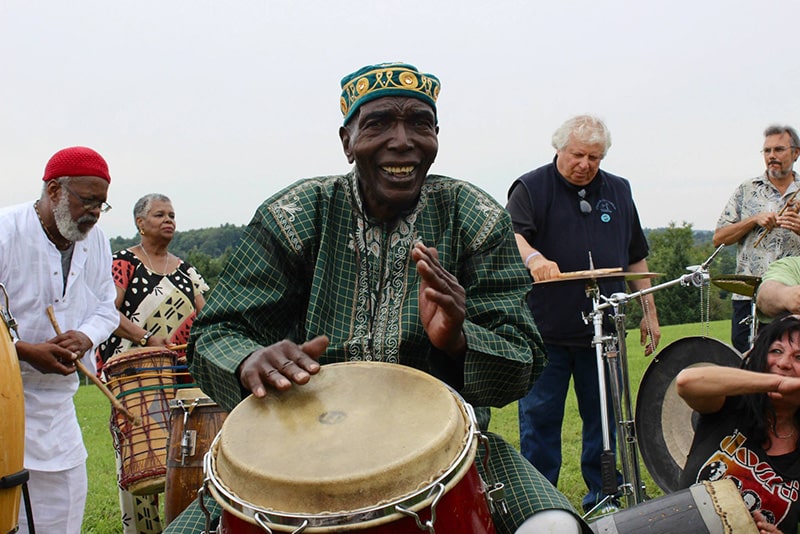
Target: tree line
(672, 250)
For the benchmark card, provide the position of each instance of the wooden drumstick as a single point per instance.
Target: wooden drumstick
(97, 382)
(177, 347)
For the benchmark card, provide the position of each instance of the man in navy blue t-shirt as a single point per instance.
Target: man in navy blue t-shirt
(565, 213)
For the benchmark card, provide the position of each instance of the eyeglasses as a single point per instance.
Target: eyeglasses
(586, 208)
(778, 150)
(88, 203)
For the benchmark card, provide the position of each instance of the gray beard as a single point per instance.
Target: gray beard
(66, 226)
(779, 174)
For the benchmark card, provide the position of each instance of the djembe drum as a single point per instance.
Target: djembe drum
(144, 381)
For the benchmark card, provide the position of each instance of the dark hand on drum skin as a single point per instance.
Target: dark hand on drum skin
(281, 364)
(48, 357)
(442, 302)
(764, 526)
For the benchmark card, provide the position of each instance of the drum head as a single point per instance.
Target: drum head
(664, 422)
(357, 434)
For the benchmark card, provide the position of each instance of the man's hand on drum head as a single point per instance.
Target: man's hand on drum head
(48, 357)
(281, 364)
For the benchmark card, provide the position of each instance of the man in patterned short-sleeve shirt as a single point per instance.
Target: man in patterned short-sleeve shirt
(752, 211)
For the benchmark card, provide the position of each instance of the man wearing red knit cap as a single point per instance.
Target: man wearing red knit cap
(53, 254)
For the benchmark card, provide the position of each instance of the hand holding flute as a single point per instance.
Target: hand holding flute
(787, 218)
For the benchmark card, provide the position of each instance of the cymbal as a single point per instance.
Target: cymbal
(597, 274)
(741, 284)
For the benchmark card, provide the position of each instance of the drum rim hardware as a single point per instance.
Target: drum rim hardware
(7, 317)
(401, 506)
(416, 500)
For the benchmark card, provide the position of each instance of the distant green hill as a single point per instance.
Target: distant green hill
(215, 241)
(208, 250)
(212, 242)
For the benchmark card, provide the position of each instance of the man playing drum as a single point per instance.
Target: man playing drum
(52, 254)
(386, 263)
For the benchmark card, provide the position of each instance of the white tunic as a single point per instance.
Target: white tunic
(30, 269)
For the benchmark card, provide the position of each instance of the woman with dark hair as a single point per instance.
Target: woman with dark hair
(749, 425)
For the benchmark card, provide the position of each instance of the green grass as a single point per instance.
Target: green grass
(102, 513)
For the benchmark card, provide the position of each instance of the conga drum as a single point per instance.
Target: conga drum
(194, 421)
(12, 428)
(708, 507)
(144, 381)
(367, 446)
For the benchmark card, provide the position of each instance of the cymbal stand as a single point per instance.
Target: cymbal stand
(608, 348)
(752, 323)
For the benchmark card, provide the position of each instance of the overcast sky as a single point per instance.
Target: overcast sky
(219, 104)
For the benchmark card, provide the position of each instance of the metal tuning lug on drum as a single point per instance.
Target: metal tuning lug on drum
(5, 315)
(263, 521)
(495, 491)
(437, 491)
(189, 437)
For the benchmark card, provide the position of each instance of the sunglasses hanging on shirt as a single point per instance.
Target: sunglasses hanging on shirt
(586, 208)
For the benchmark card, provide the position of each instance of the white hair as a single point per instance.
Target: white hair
(586, 129)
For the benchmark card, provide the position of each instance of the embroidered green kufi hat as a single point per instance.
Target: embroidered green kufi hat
(387, 79)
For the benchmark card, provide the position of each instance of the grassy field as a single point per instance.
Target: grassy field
(93, 411)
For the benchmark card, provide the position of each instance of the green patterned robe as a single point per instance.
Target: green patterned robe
(311, 263)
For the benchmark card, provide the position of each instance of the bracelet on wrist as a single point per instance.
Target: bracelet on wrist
(530, 257)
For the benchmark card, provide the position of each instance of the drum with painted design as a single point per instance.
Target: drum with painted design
(365, 446)
(145, 381)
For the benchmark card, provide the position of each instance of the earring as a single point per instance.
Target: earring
(141, 231)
